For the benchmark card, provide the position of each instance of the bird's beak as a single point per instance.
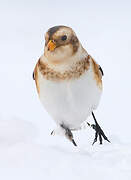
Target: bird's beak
(51, 45)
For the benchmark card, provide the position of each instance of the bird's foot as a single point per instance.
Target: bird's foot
(69, 134)
(99, 133)
(62, 130)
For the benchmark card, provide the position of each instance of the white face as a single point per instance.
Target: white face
(59, 54)
(64, 47)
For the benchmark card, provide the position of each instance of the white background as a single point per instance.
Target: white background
(27, 151)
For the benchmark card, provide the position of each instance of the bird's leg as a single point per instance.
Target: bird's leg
(99, 131)
(69, 134)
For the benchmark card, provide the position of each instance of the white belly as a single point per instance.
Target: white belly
(70, 102)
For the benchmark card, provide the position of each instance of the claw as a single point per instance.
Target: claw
(69, 134)
(100, 138)
(52, 133)
(74, 142)
(99, 132)
(95, 140)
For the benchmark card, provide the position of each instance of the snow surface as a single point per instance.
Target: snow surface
(27, 151)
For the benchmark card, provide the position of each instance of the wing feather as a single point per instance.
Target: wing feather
(35, 76)
(101, 70)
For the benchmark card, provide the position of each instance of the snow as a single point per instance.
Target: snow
(22, 157)
(27, 150)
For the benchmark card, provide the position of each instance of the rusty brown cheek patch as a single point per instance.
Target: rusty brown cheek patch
(97, 74)
(75, 43)
(79, 69)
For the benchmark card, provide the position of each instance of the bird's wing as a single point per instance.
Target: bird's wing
(98, 72)
(34, 72)
(101, 70)
(97, 68)
(35, 76)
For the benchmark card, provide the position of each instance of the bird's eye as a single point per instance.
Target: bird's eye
(63, 38)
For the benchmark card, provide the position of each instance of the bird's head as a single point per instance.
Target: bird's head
(61, 43)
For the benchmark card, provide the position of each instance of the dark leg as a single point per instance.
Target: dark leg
(69, 134)
(99, 131)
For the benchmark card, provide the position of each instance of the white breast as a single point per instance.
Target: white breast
(70, 102)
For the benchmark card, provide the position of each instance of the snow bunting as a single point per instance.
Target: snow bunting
(69, 82)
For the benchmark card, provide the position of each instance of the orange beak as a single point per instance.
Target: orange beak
(51, 45)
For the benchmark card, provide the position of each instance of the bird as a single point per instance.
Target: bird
(69, 83)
